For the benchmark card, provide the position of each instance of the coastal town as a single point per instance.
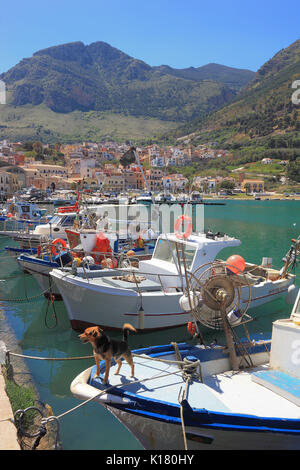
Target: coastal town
(149, 229)
(46, 167)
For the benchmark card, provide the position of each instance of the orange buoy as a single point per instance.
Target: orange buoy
(236, 264)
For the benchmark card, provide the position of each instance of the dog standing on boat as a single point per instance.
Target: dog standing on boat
(105, 348)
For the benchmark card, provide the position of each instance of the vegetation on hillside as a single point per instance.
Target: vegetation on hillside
(99, 77)
(262, 121)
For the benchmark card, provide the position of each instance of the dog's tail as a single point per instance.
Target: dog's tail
(126, 328)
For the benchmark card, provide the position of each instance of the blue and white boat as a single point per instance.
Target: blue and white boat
(189, 396)
(24, 212)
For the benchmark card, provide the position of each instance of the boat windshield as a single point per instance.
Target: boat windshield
(165, 250)
(55, 219)
(68, 220)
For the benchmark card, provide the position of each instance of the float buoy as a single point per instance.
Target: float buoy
(236, 264)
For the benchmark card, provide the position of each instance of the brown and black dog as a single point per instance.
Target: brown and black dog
(106, 349)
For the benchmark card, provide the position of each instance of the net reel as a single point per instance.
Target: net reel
(214, 293)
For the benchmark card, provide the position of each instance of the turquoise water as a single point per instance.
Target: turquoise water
(265, 229)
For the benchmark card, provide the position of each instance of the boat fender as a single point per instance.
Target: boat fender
(234, 316)
(291, 294)
(178, 223)
(188, 302)
(88, 260)
(38, 250)
(55, 242)
(109, 263)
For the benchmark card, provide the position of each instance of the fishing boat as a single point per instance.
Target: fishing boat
(145, 198)
(21, 215)
(91, 255)
(195, 197)
(150, 296)
(165, 198)
(54, 228)
(240, 396)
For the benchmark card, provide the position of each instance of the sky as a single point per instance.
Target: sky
(178, 33)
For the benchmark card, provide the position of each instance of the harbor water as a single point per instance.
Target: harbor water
(265, 229)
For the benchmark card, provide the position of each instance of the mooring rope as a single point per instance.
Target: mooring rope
(184, 366)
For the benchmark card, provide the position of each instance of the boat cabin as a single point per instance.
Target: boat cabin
(57, 226)
(25, 210)
(193, 252)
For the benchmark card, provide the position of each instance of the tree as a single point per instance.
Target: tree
(293, 170)
(38, 148)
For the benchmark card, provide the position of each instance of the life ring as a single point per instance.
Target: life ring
(191, 328)
(178, 223)
(55, 242)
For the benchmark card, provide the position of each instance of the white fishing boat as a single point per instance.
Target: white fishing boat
(241, 396)
(150, 297)
(145, 198)
(165, 198)
(55, 228)
(195, 196)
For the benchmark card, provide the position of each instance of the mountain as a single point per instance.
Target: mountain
(99, 78)
(262, 119)
(232, 77)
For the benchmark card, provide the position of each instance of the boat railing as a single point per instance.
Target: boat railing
(127, 266)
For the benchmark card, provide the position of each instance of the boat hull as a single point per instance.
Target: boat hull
(40, 270)
(160, 435)
(110, 307)
(223, 409)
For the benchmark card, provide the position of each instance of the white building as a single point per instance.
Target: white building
(87, 166)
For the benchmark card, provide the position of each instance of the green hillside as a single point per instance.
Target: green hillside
(29, 122)
(262, 120)
(99, 77)
(94, 90)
